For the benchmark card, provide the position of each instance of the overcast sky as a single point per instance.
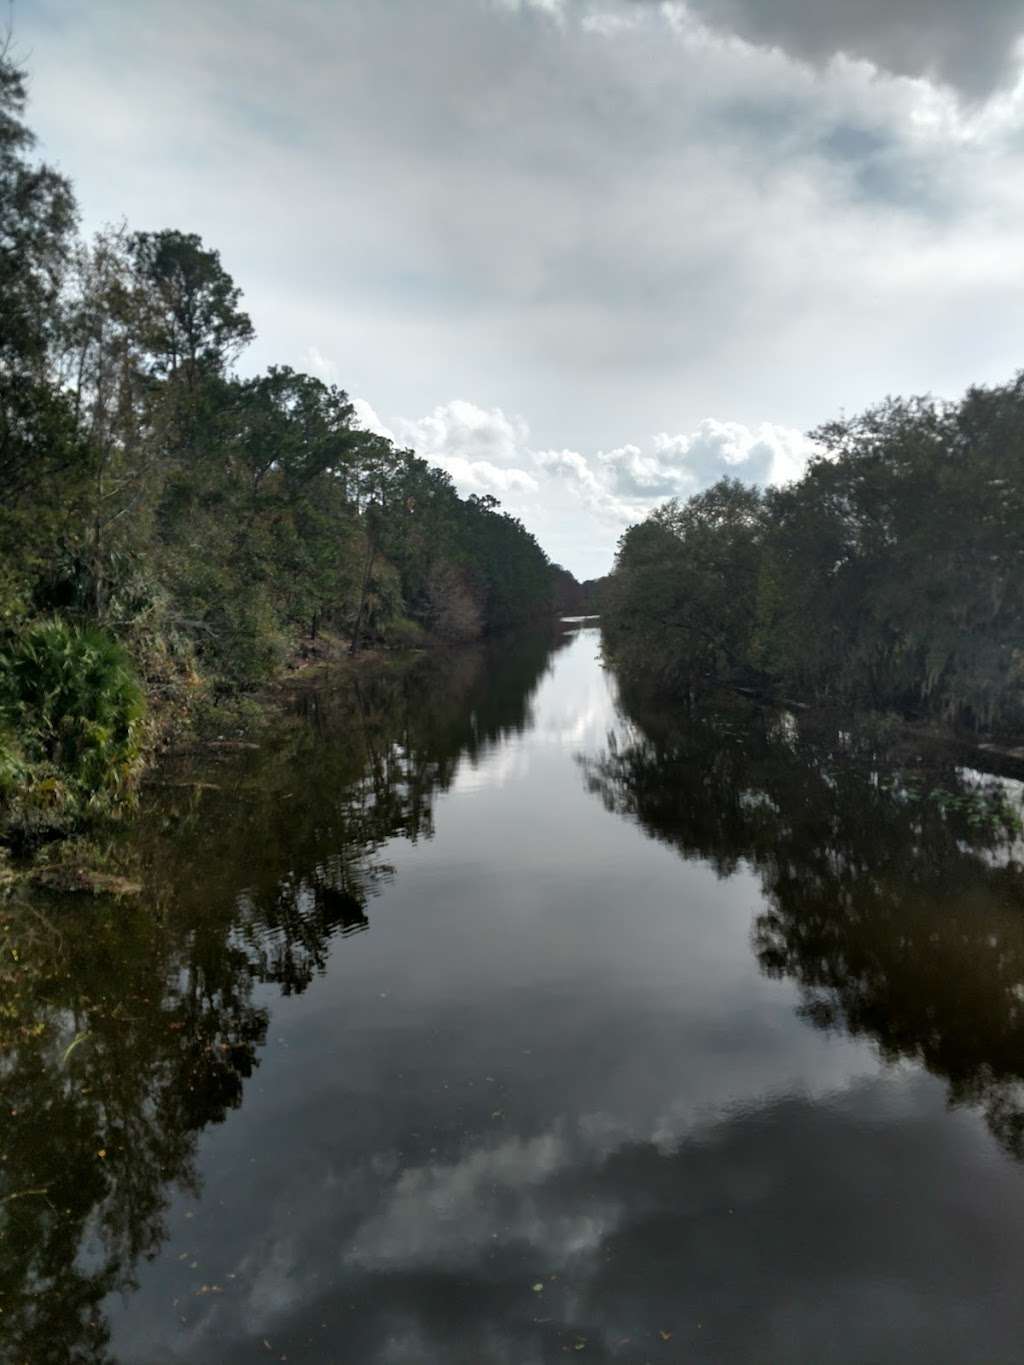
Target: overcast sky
(586, 254)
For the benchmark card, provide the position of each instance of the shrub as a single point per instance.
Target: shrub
(402, 633)
(14, 771)
(71, 699)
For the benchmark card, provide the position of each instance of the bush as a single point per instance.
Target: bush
(249, 647)
(75, 707)
(14, 771)
(401, 633)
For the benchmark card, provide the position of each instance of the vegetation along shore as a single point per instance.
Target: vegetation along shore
(888, 578)
(172, 535)
(175, 536)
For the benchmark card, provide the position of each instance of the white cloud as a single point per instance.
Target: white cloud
(367, 418)
(317, 363)
(767, 454)
(480, 476)
(593, 489)
(462, 429)
(620, 486)
(598, 495)
(615, 217)
(482, 449)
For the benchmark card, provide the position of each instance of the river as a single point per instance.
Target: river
(481, 1014)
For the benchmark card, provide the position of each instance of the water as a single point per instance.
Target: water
(480, 1016)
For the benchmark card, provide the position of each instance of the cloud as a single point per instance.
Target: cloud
(367, 418)
(622, 485)
(763, 455)
(489, 450)
(461, 428)
(319, 365)
(480, 476)
(608, 25)
(616, 216)
(480, 448)
(973, 47)
(555, 8)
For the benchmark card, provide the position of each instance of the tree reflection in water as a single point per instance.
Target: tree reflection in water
(892, 874)
(128, 1027)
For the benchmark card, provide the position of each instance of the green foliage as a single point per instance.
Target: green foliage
(71, 697)
(405, 634)
(452, 610)
(237, 635)
(14, 771)
(888, 577)
(511, 571)
(190, 305)
(227, 716)
(681, 603)
(37, 216)
(212, 525)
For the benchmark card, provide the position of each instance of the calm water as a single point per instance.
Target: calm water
(480, 1016)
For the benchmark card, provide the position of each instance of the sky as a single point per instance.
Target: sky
(584, 254)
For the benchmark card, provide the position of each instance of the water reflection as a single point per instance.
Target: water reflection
(891, 874)
(551, 1102)
(127, 1028)
(119, 1044)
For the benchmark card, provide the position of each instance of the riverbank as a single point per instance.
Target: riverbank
(879, 737)
(84, 852)
(193, 749)
(68, 840)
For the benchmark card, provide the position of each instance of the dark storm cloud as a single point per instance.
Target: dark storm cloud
(970, 46)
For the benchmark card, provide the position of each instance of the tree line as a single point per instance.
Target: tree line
(888, 577)
(170, 528)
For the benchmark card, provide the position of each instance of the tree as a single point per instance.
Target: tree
(682, 601)
(210, 525)
(100, 359)
(37, 221)
(190, 305)
(889, 576)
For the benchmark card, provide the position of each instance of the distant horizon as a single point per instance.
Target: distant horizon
(582, 255)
